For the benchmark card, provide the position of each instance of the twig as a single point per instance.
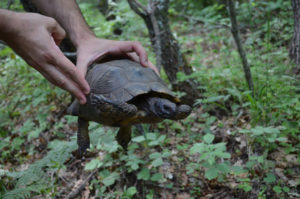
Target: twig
(76, 190)
(236, 36)
(138, 8)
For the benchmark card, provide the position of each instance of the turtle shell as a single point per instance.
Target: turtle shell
(122, 80)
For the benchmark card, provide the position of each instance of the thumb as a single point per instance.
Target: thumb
(58, 33)
(81, 64)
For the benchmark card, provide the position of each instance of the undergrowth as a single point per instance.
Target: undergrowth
(232, 134)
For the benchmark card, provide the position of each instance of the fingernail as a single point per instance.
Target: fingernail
(86, 91)
(82, 101)
(146, 62)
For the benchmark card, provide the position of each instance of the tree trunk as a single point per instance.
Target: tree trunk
(295, 44)
(237, 39)
(167, 50)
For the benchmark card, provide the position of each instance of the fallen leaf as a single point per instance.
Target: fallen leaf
(183, 196)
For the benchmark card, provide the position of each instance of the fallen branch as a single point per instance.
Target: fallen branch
(77, 189)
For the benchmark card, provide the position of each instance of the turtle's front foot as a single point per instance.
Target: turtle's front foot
(82, 147)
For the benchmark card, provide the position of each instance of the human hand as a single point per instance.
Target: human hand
(94, 49)
(36, 38)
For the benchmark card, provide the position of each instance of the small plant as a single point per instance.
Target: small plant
(211, 157)
(265, 136)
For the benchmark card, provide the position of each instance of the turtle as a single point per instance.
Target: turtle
(123, 93)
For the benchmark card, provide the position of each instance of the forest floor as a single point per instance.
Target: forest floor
(232, 146)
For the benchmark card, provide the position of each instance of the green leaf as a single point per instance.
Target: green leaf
(238, 170)
(281, 139)
(270, 178)
(213, 99)
(157, 162)
(155, 155)
(286, 189)
(93, 164)
(197, 148)
(144, 174)
(161, 138)
(224, 155)
(258, 130)
(151, 136)
(223, 167)
(245, 186)
(138, 139)
(211, 173)
(131, 191)
(153, 143)
(208, 138)
(277, 189)
(156, 177)
(271, 130)
(110, 180)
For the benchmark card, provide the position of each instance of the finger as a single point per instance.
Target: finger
(57, 78)
(139, 50)
(82, 64)
(57, 32)
(135, 58)
(69, 69)
(153, 67)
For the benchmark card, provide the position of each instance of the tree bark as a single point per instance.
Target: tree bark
(295, 43)
(237, 39)
(168, 54)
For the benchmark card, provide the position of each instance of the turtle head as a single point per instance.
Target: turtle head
(167, 109)
(182, 112)
(164, 108)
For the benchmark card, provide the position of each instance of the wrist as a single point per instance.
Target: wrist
(81, 37)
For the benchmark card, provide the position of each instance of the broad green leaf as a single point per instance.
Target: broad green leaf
(131, 191)
(208, 138)
(93, 164)
(197, 148)
(271, 130)
(223, 167)
(110, 180)
(277, 189)
(211, 173)
(138, 139)
(238, 170)
(156, 177)
(151, 136)
(270, 178)
(157, 162)
(144, 174)
(155, 155)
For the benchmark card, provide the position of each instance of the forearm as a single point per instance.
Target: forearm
(68, 15)
(6, 23)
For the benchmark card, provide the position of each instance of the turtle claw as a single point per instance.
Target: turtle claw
(82, 148)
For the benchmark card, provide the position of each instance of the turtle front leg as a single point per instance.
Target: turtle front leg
(124, 136)
(83, 139)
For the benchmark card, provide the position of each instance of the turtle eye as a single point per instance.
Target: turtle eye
(167, 108)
